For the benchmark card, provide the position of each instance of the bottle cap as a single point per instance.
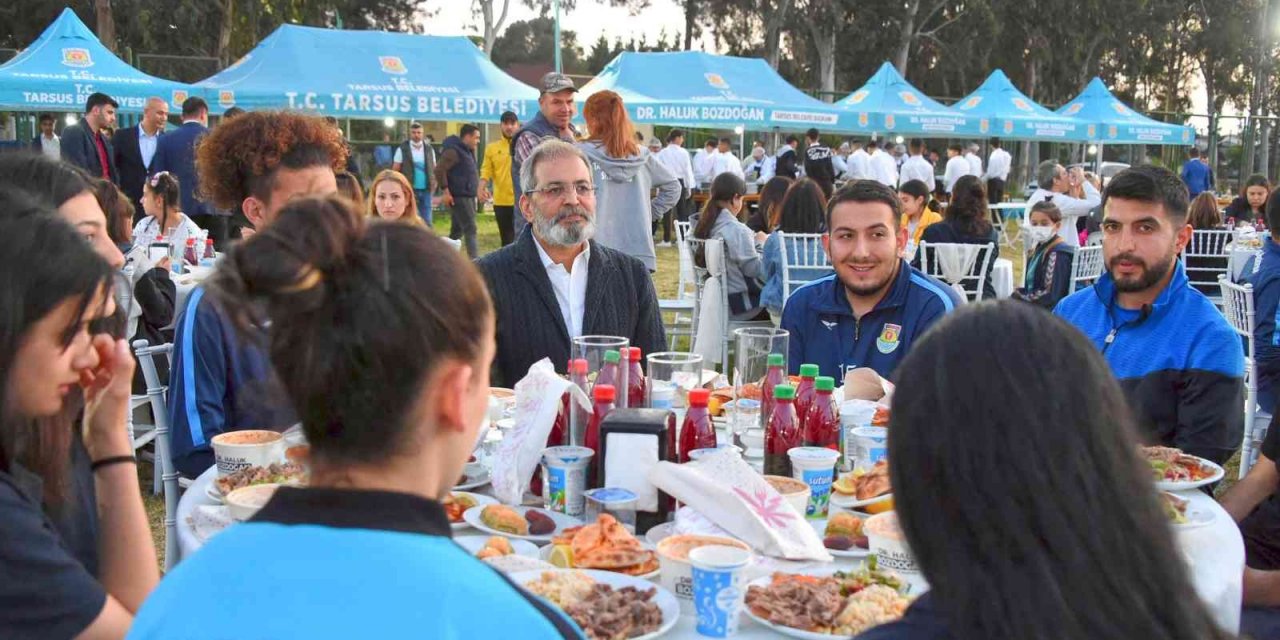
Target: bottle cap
(604, 393)
(579, 366)
(208, 241)
(824, 383)
(612, 356)
(808, 371)
(191, 242)
(699, 397)
(784, 392)
(635, 354)
(776, 360)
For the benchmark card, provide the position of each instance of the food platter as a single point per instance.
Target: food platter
(562, 522)
(474, 543)
(820, 526)
(473, 481)
(764, 582)
(664, 599)
(479, 499)
(545, 554)
(850, 502)
(1168, 460)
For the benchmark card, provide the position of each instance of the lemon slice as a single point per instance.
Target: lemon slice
(561, 556)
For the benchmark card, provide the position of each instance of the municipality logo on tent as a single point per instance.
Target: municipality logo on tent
(1120, 108)
(76, 58)
(909, 98)
(392, 64)
(226, 98)
(179, 97)
(859, 96)
(1021, 104)
(716, 81)
(971, 103)
(1073, 109)
(1093, 130)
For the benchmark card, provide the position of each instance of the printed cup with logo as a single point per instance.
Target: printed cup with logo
(564, 478)
(889, 546)
(236, 450)
(717, 588)
(677, 573)
(870, 445)
(815, 467)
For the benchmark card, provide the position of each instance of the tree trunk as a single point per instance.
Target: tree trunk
(1027, 164)
(823, 33)
(106, 23)
(1210, 100)
(492, 26)
(773, 24)
(690, 13)
(905, 37)
(224, 32)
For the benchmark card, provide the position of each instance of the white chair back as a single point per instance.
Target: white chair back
(156, 391)
(686, 285)
(963, 266)
(1086, 267)
(712, 320)
(802, 254)
(1237, 306)
(1209, 246)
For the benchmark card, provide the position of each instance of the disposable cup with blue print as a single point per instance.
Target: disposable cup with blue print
(814, 466)
(717, 588)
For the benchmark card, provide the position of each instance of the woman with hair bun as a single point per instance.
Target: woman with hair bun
(162, 202)
(382, 336)
(967, 220)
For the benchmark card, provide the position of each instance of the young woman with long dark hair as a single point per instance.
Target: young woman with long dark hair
(626, 175)
(967, 220)
(768, 212)
(1030, 514)
(382, 337)
(1250, 206)
(803, 211)
(743, 268)
(56, 361)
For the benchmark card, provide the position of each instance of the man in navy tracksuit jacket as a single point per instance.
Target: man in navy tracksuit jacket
(897, 303)
(1178, 361)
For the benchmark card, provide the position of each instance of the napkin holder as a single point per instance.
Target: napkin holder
(632, 441)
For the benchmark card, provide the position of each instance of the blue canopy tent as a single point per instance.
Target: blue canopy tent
(887, 103)
(697, 89)
(67, 63)
(370, 74)
(1005, 112)
(1112, 122)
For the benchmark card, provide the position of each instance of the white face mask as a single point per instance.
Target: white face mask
(1037, 235)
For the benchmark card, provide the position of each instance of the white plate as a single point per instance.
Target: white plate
(473, 545)
(820, 526)
(512, 564)
(1196, 518)
(472, 516)
(664, 599)
(660, 532)
(474, 481)
(545, 554)
(213, 493)
(1218, 474)
(481, 500)
(849, 502)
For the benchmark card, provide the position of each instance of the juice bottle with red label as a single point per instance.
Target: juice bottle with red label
(697, 431)
(635, 380)
(783, 432)
(805, 392)
(773, 377)
(822, 422)
(605, 395)
(578, 416)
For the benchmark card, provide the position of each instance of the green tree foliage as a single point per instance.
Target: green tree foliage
(532, 41)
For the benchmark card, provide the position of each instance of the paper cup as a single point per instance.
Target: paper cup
(886, 542)
(677, 573)
(815, 467)
(717, 588)
(236, 450)
(564, 478)
(870, 445)
(795, 492)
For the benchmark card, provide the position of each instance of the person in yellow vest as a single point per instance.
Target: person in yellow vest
(917, 211)
(496, 170)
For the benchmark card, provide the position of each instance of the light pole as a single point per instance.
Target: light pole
(556, 39)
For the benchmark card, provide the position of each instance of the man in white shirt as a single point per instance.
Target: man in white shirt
(915, 167)
(957, 166)
(975, 162)
(840, 161)
(676, 160)
(1074, 195)
(725, 162)
(703, 161)
(998, 164)
(758, 167)
(540, 283)
(883, 168)
(47, 142)
(858, 166)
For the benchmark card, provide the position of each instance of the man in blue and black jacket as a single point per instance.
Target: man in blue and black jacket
(875, 306)
(1178, 361)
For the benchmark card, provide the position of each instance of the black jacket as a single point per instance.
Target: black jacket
(785, 165)
(620, 302)
(176, 153)
(128, 158)
(1241, 211)
(818, 167)
(78, 148)
(946, 233)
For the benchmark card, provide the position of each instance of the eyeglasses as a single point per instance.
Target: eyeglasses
(558, 190)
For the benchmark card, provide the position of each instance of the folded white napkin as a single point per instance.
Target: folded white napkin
(537, 403)
(209, 520)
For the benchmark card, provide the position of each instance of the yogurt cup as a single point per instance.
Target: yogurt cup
(814, 466)
(795, 492)
(236, 450)
(870, 445)
(698, 454)
(886, 542)
(677, 573)
(564, 478)
(617, 502)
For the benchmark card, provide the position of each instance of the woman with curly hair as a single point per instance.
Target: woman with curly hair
(391, 198)
(259, 161)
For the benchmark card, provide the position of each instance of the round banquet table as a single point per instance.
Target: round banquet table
(1238, 259)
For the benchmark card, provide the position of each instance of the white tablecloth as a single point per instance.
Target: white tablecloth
(1002, 277)
(1215, 553)
(1238, 259)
